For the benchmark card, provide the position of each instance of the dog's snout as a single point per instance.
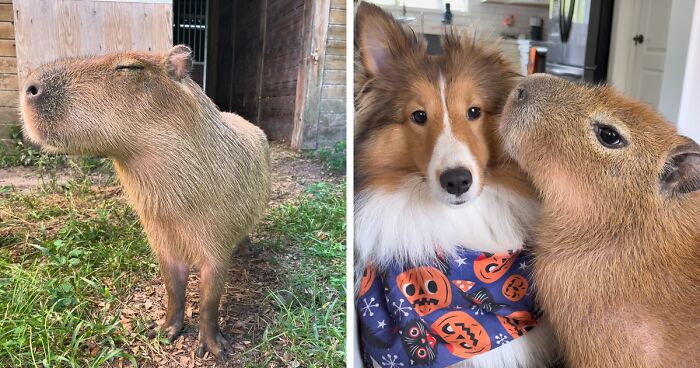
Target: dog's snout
(34, 90)
(520, 94)
(456, 181)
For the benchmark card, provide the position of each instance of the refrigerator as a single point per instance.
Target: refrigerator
(578, 42)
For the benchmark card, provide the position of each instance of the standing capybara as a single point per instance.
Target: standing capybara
(198, 178)
(617, 254)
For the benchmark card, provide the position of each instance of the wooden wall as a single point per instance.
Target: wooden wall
(332, 115)
(88, 27)
(8, 71)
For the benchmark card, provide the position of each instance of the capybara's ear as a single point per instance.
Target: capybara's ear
(380, 38)
(179, 62)
(682, 169)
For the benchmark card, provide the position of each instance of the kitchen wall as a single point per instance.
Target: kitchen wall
(485, 17)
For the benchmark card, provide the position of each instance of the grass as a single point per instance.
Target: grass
(333, 158)
(70, 254)
(310, 324)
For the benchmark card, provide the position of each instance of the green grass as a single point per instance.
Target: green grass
(333, 158)
(70, 255)
(310, 325)
(67, 257)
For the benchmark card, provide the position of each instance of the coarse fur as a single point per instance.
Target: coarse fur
(402, 213)
(617, 254)
(199, 179)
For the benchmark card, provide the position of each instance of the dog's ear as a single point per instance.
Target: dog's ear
(380, 38)
(681, 173)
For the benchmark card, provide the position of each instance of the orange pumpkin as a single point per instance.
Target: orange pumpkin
(367, 279)
(515, 288)
(489, 267)
(426, 289)
(465, 336)
(517, 323)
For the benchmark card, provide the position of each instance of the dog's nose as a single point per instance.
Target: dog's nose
(456, 181)
(34, 90)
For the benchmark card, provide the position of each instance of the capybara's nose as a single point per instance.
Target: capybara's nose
(456, 181)
(520, 94)
(34, 90)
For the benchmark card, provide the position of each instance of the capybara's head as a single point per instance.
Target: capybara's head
(426, 122)
(103, 105)
(592, 147)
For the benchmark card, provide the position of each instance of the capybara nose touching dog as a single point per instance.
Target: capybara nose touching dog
(198, 178)
(617, 247)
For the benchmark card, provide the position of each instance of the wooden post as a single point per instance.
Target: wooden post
(309, 81)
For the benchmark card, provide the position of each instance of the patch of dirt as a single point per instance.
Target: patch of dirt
(24, 179)
(244, 310)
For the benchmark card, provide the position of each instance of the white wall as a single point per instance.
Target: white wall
(689, 115)
(676, 56)
(620, 45)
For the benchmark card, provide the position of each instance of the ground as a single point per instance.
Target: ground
(77, 250)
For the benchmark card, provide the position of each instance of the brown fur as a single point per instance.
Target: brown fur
(389, 147)
(198, 178)
(617, 257)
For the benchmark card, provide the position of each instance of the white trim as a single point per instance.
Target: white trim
(689, 108)
(133, 1)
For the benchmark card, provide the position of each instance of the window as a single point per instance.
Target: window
(455, 5)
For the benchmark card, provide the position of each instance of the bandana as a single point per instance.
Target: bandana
(439, 315)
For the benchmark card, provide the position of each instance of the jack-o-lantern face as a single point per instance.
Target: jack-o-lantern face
(490, 267)
(465, 337)
(515, 288)
(517, 323)
(367, 279)
(426, 288)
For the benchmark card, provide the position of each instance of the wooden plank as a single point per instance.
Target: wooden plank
(338, 4)
(310, 76)
(336, 62)
(9, 99)
(7, 31)
(8, 65)
(331, 91)
(337, 16)
(6, 12)
(8, 82)
(331, 77)
(83, 28)
(332, 105)
(7, 48)
(9, 115)
(337, 32)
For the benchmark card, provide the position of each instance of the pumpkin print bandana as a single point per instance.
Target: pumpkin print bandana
(439, 315)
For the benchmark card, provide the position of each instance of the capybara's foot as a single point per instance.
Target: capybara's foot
(216, 344)
(170, 330)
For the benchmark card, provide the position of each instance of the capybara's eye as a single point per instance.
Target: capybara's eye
(419, 117)
(609, 137)
(473, 113)
(129, 67)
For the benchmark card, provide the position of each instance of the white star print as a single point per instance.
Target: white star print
(523, 265)
(382, 324)
(460, 261)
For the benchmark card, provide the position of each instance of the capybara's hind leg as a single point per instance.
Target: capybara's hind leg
(245, 248)
(175, 278)
(212, 283)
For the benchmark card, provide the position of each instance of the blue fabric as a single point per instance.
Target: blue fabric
(438, 315)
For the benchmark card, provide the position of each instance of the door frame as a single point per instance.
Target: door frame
(310, 77)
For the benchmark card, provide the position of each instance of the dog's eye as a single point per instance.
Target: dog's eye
(419, 117)
(129, 67)
(609, 137)
(473, 113)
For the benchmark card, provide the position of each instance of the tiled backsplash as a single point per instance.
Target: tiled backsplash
(485, 17)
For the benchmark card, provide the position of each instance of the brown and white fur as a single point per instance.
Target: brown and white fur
(403, 213)
(617, 248)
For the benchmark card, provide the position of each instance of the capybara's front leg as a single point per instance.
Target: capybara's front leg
(175, 278)
(212, 280)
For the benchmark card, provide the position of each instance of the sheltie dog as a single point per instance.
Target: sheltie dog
(431, 185)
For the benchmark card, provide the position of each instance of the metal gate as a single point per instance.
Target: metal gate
(190, 28)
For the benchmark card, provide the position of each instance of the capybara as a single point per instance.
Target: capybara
(198, 178)
(617, 250)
